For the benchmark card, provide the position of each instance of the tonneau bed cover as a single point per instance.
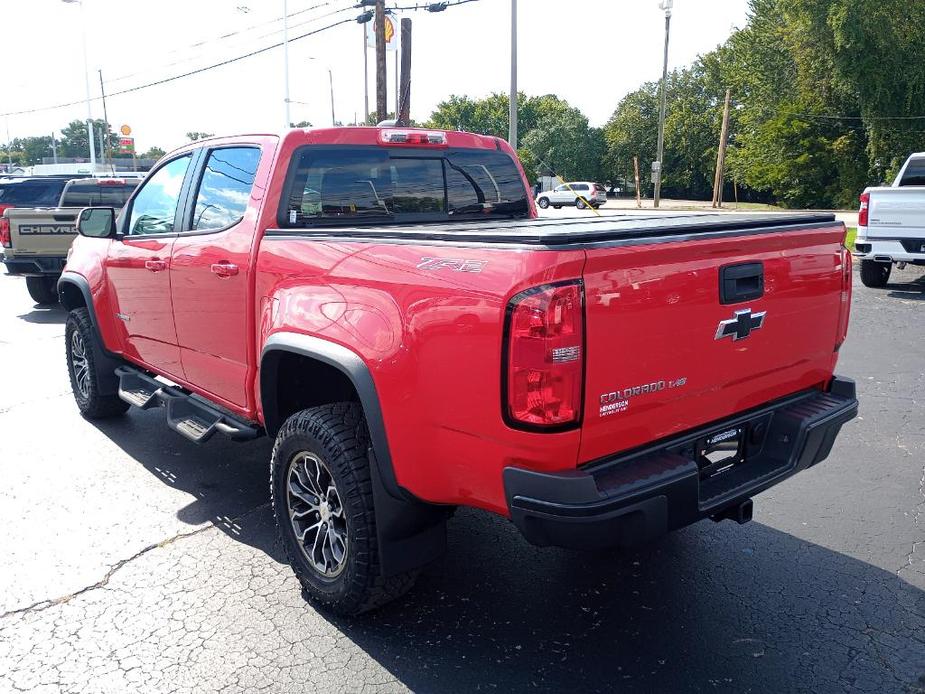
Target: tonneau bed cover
(629, 228)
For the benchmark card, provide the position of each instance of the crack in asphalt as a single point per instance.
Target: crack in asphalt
(104, 581)
(917, 512)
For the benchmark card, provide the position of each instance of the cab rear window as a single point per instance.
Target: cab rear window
(33, 192)
(96, 194)
(336, 185)
(914, 175)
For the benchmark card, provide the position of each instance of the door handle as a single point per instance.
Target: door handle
(224, 269)
(155, 265)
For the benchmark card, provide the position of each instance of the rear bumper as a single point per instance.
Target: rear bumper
(36, 265)
(892, 250)
(634, 498)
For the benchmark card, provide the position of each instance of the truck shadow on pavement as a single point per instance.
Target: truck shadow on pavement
(712, 607)
(228, 480)
(45, 314)
(914, 291)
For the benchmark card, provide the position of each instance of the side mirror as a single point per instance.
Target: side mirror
(97, 222)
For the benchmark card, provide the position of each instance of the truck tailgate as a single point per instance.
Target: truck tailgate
(665, 354)
(42, 232)
(897, 212)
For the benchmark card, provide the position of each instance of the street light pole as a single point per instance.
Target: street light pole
(331, 79)
(664, 5)
(9, 145)
(83, 34)
(365, 74)
(286, 60)
(512, 133)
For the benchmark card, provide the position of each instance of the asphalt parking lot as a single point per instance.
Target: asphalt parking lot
(136, 561)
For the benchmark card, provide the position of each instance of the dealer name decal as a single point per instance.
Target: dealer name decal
(619, 400)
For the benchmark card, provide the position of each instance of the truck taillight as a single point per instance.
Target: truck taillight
(864, 212)
(545, 356)
(5, 239)
(844, 310)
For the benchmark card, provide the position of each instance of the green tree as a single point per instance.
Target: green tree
(562, 143)
(876, 52)
(691, 132)
(553, 136)
(73, 141)
(30, 150)
(153, 153)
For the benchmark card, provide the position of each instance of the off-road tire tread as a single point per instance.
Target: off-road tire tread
(341, 429)
(97, 406)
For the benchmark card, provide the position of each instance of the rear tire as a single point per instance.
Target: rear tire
(543, 203)
(43, 290)
(874, 274)
(84, 361)
(580, 204)
(330, 538)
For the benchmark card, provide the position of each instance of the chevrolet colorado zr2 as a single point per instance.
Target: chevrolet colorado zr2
(385, 304)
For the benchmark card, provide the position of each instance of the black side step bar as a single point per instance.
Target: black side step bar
(187, 414)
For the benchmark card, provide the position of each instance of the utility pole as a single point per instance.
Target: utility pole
(636, 171)
(286, 61)
(512, 133)
(382, 107)
(664, 5)
(721, 156)
(397, 86)
(365, 72)
(54, 148)
(106, 120)
(404, 103)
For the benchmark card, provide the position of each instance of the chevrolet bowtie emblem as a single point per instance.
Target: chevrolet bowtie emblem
(740, 326)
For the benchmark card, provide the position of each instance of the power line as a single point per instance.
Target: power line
(206, 42)
(182, 75)
(430, 6)
(825, 116)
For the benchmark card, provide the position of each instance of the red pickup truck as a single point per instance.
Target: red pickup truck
(385, 304)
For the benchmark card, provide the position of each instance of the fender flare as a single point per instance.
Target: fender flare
(410, 533)
(354, 368)
(83, 286)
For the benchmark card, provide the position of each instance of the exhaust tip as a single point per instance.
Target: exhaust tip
(883, 258)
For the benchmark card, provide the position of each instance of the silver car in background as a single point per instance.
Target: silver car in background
(581, 194)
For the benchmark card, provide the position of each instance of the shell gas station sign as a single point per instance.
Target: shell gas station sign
(391, 33)
(126, 143)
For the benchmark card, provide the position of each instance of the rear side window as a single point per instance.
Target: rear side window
(914, 175)
(376, 184)
(225, 188)
(32, 192)
(101, 194)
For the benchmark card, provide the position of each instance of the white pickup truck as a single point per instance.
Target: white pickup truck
(891, 224)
